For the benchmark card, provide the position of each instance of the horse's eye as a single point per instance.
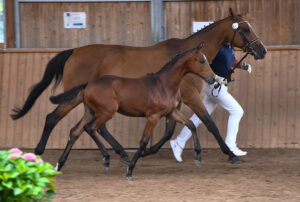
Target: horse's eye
(202, 61)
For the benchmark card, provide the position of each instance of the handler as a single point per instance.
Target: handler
(221, 65)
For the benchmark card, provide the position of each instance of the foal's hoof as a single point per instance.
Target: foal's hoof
(105, 168)
(129, 178)
(234, 160)
(197, 162)
(125, 160)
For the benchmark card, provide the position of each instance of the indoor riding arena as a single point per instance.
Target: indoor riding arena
(48, 47)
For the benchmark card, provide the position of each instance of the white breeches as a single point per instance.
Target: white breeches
(226, 101)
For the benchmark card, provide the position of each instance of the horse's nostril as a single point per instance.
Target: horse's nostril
(264, 51)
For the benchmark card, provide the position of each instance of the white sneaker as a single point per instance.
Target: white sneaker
(237, 151)
(177, 151)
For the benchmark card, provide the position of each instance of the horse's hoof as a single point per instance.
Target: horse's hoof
(57, 167)
(198, 163)
(234, 160)
(38, 151)
(125, 160)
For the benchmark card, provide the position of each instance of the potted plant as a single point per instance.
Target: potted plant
(25, 177)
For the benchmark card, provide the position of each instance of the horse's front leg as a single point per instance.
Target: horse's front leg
(212, 128)
(179, 117)
(150, 125)
(194, 101)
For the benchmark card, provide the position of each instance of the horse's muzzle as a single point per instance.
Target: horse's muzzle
(210, 80)
(259, 52)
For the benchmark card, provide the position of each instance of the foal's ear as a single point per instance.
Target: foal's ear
(231, 13)
(200, 46)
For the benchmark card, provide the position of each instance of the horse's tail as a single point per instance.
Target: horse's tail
(68, 97)
(54, 70)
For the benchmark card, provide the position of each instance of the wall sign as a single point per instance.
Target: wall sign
(74, 20)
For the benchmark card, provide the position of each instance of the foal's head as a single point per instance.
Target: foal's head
(244, 37)
(199, 65)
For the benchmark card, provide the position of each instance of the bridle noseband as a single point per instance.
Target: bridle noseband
(236, 27)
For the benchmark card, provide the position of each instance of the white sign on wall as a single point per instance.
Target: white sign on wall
(74, 20)
(200, 25)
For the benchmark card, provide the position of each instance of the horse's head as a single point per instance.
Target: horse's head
(199, 65)
(244, 37)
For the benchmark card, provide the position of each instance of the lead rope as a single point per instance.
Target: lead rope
(218, 86)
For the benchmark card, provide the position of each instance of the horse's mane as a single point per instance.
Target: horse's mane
(210, 26)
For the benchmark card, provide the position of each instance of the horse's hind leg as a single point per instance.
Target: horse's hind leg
(179, 117)
(51, 120)
(114, 143)
(169, 131)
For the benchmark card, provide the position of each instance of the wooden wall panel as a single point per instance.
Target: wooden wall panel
(276, 22)
(126, 23)
(269, 96)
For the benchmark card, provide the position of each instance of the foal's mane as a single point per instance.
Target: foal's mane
(173, 61)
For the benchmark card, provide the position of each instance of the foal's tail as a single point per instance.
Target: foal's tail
(68, 97)
(54, 70)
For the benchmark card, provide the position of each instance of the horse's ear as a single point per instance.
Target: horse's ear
(200, 46)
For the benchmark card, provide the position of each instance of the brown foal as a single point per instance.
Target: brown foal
(152, 96)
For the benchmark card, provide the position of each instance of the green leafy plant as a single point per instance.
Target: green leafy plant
(25, 177)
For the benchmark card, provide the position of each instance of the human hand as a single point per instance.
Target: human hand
(247, 67)
(221, 80)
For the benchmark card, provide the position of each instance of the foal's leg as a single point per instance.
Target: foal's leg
(169, 131)
(151, 123)
(179, 117)
(75, 132)
(51, 120)
(114, 143)
(54, 117)
(101, 147)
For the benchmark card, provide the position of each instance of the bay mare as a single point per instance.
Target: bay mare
(83, 64)
(152, 96)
